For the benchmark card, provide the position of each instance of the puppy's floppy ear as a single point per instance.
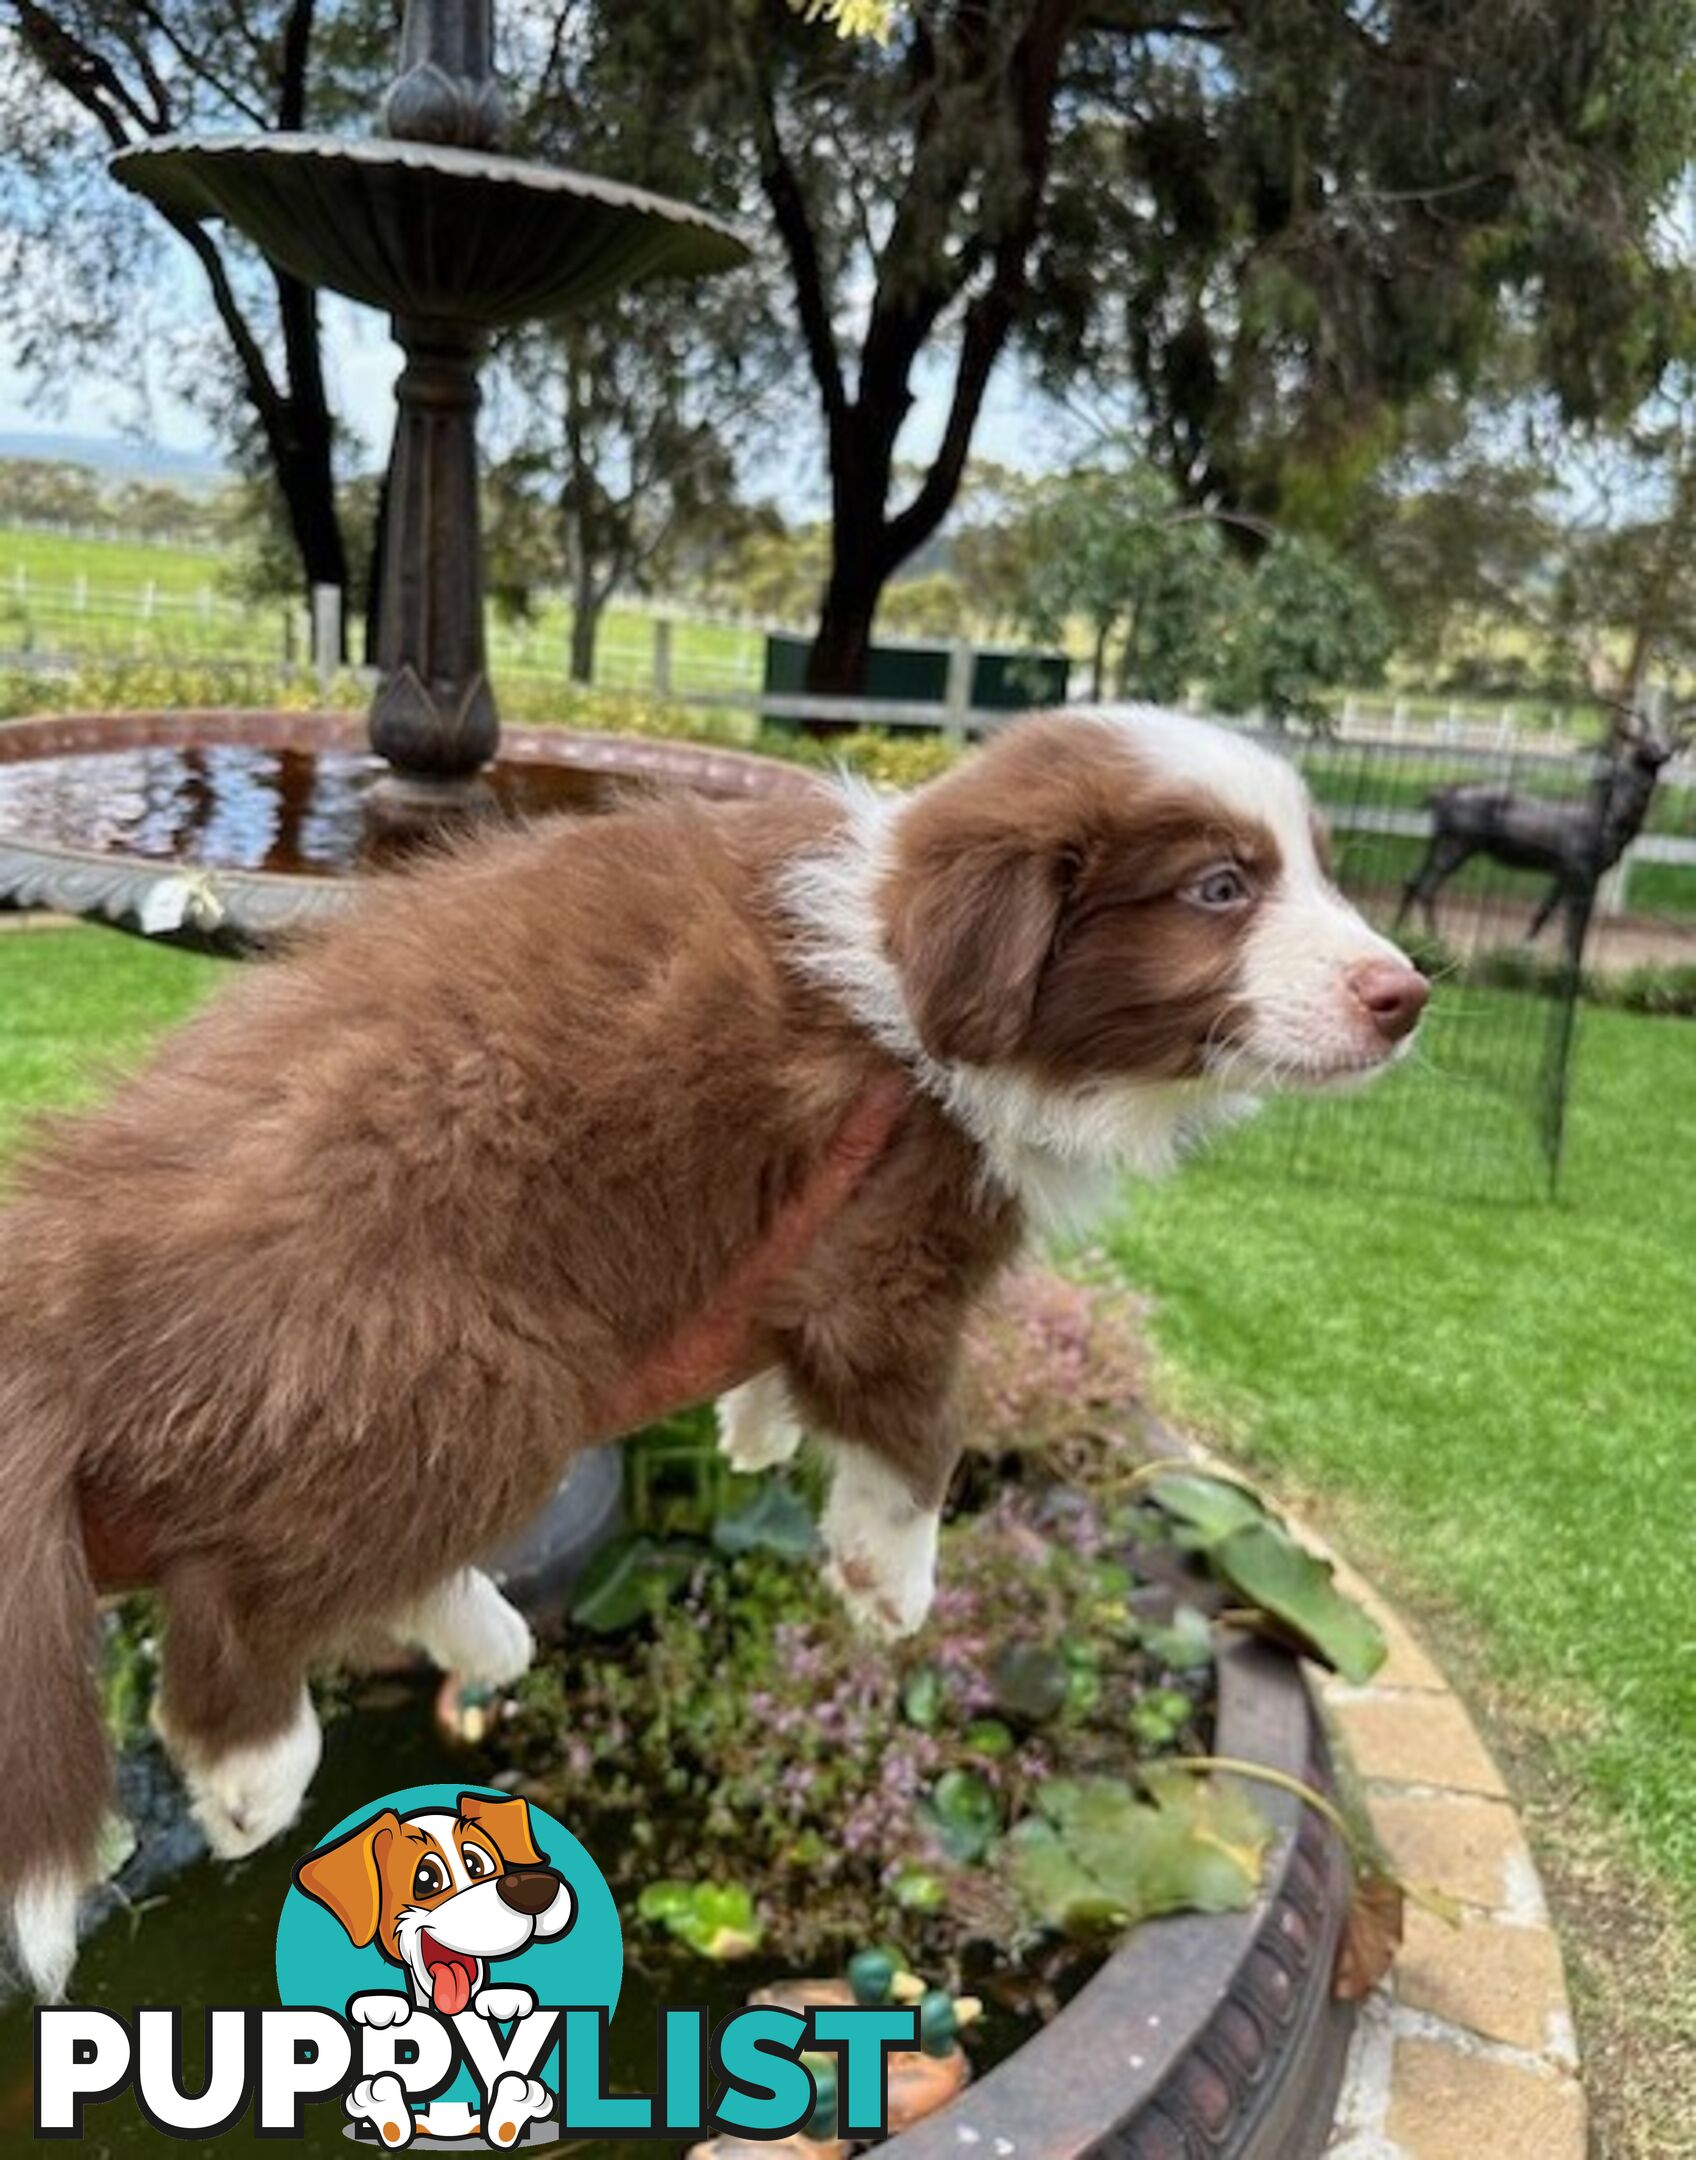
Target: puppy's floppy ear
(970, 920)
(346, 1878)
(506, 1824)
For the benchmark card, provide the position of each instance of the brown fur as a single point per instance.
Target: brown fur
(320, 1305)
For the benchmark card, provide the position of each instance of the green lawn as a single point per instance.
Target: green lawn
(51, 560)
(76, 1002)
(1495, 1402)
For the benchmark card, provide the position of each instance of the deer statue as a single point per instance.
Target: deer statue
(1575, 842)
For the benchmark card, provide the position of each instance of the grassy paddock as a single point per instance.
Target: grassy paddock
(196, 617)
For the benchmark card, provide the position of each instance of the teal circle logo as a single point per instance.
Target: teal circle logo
(438, 1919)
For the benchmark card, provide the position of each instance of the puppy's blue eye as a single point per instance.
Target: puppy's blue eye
(1223, 887)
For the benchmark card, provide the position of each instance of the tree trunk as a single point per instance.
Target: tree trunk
(1098, 665)
(861, 453)
(1650, 625)
(302, 440)
(374, 574)
(841, 649)
(310, 501)
(586, 605)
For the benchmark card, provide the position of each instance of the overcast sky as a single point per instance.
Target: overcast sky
(1019, 427)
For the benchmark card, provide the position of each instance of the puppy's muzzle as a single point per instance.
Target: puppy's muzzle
(529, 1890)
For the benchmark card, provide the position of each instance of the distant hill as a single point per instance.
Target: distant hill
(117, 456)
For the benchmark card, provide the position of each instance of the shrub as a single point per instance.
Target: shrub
(1050, 1364)
(1665, 988)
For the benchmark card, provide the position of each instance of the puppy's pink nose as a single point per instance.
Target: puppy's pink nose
(1392, 992)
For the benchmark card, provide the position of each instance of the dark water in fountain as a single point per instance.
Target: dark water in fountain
(235, 806)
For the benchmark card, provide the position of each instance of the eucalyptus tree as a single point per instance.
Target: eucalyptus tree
(1274, 227)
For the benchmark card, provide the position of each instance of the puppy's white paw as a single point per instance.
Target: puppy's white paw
(380, 2009)
(467, 1628)
(382, 2102)
(44, 1928)
(245, 1798)
(880, 1546)
(500, 2005)
(515, 2102)
(757, 1425)
(885, 1606)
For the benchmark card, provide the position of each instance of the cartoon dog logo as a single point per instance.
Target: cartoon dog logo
(444, 1896)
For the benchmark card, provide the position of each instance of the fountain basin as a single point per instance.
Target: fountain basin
(429, 231)
(230, 831)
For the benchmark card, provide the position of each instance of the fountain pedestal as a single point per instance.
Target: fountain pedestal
(433, 717)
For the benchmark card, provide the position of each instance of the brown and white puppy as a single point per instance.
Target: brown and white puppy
(318, 1307)
(443, 1896)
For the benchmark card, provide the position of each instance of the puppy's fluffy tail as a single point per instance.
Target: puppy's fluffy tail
(55, 1765)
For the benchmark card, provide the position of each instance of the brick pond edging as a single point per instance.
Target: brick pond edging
(1468, 2049)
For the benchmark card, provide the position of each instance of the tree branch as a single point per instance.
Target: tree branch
(83, 74)
(800, 243)
(991, 316)
(269, 402)
(297, 47)
(197, 67)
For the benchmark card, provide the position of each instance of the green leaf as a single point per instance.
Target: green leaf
(1031, 1682)
(917, 1889)
(939, 2027)
(1212, 1507)
(921, 1698)
(988, 1736)
(1083, 1676)
(1269, 1569)
(820, 2126)
(1185, 1646)
(775, 1520)
(871, 1975)
(628, 1580)
(716, 1921)
(665, 1901)
(963, 1812)
(1111, 1581)
(1096, 1858)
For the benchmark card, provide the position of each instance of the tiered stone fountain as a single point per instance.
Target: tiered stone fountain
(230, 829)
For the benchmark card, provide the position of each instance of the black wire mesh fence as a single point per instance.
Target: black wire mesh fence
(1480, 1109)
